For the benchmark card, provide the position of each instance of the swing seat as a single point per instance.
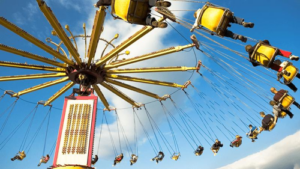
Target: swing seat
(199, 153)
(282, 114)
(254, 134)
(293, 73)
(237, 144)
(215, 149)
(175, 157)
(132, 11)
(215, 19)
(286, 101)
(264, 54)
(271, 127)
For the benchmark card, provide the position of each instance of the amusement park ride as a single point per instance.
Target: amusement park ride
(75, 141)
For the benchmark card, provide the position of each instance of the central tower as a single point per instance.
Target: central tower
(74, 147)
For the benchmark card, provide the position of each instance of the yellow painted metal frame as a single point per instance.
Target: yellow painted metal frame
(30, 55)
(41, 86)
(148, 56)
(58, 29)
(35, 67)
(101, 96)
(151, 69)
(58, 93)
(141, 91)
(293, 73)
(72, 167)
(119, 93)
(139, 34)
(34, 40)
(31, 76)
(141, 80)
(96, 33)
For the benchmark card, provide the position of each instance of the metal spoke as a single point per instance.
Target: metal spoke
(141, 80)
(148, 56)
(34, 40)
(101, 96)
(41, 86)
(35, 67)
(31, 76)
(59, 93)
(30, 55)
(96, 33)
(58, 29)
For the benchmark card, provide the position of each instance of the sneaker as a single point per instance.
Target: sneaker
(159, 24)
(231, 145)
(293, 57)
(163, 4)
(12, 159)
(242, 38)
(292, 115)
(248, 24)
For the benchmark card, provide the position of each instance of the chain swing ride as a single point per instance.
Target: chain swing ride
(74, 147)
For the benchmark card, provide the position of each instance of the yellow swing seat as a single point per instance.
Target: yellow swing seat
(254, 134)
(132, 11)
(175, 157)
(293, 73)
(215, 19)
(282, 114)
(264, 54)
(271, 127)
(286, 101)
(238, 143)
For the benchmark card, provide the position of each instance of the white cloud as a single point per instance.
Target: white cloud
(30, 11)
(282, 155)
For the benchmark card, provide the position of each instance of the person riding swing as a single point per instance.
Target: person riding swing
(133, 159)
(268, 122)
(94, 160)
(284, 98)
(216, 147)
(20, 156)
(252, 134)
(217, 19)
(118, 159)
(159, 157)
(264, 54)
(175, 156)
(199, 151)
(44, 159)
(237, 142)
(135, 12)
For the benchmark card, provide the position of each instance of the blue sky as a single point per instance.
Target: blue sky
(274, 21)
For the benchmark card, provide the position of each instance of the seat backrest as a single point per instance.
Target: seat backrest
(264, 54)
(211, 17)
(287, 101)
(293, 72)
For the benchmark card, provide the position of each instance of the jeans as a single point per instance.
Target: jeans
(292, 86)
(288, 113)
(237, 20)
(297, 105)
(103, 3)
(231, 34)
